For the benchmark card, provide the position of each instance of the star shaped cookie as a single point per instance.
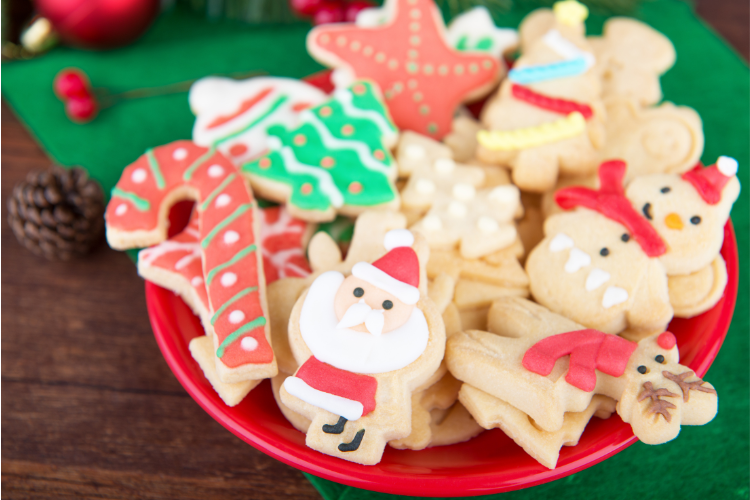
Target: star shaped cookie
(423, 79)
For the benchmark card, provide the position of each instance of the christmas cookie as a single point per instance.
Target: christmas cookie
(475, 31)
(364, 343)
(423, 78)
(697, 292)
(545, 366)
(451, 426)
(428, 183)
(336, 160)
(462, 140)
(234, 116)
(137, 216)
(546, 119)
(630, 58)
(415, 151)
(202, 350)
(283, 240)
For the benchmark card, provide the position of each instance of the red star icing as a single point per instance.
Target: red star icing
(423, 79)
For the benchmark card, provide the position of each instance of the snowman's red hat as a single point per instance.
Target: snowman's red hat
(710, 181)
(397, 272)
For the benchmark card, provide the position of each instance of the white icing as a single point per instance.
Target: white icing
(193, 255)
(215, 171)
(425, 186)
(406, 293)
(560, 243)
(228, 279)
(457, 209)
(355, 315)
(373, 16)
(347, 408)
(505, 196)
(354, 351)
(432, 223)
(191, 231)
(445, 165)
(223, 200)
(179, 154)
(231, 237)
(487, 224)
(342, 78)
(249, 344)
(567, 49)
(280, 259)
(147, 256)
(121, 209)
(614, 295)
(236, 316)
(324, 178)
(727, 166)
(398, 238)
(577, 260)
(476, 24)
(464, 192)
(415, 152)
(388, 131)
(596, 278)
(196, 281)
(375, 321)
(139, 175)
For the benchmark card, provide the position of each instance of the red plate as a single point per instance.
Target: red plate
(489, 463)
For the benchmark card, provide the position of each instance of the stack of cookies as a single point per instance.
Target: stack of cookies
(516, 271)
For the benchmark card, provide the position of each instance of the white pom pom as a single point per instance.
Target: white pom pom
(398, 238)
(727, 166)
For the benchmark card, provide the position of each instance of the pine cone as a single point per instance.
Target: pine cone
(58, 213)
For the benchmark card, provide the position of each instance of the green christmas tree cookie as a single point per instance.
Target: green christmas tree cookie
(336, 161)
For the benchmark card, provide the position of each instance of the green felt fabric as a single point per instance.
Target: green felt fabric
(703, 463)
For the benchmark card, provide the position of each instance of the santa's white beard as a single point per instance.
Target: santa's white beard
(360, 312)
(357, 352)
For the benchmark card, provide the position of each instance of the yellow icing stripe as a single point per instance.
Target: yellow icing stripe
(508, 140)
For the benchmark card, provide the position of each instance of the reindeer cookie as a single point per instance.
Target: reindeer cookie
(137, 216)
(545, 366)
(364, 343)
(546, 119)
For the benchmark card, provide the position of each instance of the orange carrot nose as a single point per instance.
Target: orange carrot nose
(673, 221)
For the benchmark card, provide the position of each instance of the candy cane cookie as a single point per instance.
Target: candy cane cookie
(137, 216)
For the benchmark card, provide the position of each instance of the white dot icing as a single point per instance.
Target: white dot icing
(457, 209)
(432, 223)
(596, 278)
(139, 175)
(415, 152)
(215, 171)
(121, 209)
(464, 192)
(196, 281)
(249, 344)
(487, 224)
(425, 186)
(228, 279)
(179, 154)
(504, 195)
(236, 316)
(614, 295)
(727, 165)
(444, 165)
(560, 243)
(223, 200)
(577, 260)
(231, 237)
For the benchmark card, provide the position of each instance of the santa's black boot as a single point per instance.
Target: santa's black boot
(335, 429)
(354, 445)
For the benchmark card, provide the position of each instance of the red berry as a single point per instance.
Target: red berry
(305, 7)
(354, 8)
(71, 83)
(329, 12)
(81, 109)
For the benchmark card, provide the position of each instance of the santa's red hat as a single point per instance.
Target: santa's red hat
(396, 272)
(610, 201)
(710, 181)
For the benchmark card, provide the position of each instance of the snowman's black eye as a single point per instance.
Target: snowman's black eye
(659, 358)
(695, 220)
(642, 370)
(666, 189)
(625, 237)
(647, 211)
(604, 252)
(358, 292)
(387, 304)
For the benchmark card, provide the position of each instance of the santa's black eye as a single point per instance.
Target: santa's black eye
(387, 304)
(625, 237)
(604, 252)
(358, 292)
(642, 370)
(659, 358)
(666, 189)
(647, 211)
(695, 220)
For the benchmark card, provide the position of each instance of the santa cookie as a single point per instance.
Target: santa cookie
(422, 77)
(234, 116)
(546, 118)
(364, 343)
(336, 160)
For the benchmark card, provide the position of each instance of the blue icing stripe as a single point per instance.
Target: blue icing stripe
(533, 74)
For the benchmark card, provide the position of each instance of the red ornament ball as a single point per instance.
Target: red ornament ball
(305, 7)
(99, 24)
(329, 12)
(71, 83)
(81, 109)
(354, 8)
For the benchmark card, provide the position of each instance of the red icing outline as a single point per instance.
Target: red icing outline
(332, 380)
(246, 105)
(610, 201)
(589, 350)
(553, 104)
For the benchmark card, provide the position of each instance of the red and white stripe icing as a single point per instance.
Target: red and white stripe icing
(226, 209)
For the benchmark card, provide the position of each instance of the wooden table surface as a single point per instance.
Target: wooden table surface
(90, 408)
